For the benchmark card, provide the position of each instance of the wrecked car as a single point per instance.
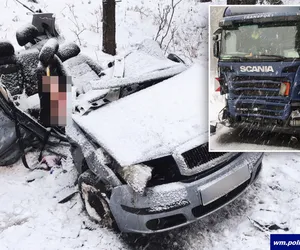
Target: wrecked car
(138, 137)
(144, 160)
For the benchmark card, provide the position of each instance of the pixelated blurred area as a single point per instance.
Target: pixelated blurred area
(57, 88)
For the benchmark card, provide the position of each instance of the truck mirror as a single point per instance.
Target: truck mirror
(215, 37)
(213, 128)
(216, 49)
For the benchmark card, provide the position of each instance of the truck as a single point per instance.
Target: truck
(258, 48)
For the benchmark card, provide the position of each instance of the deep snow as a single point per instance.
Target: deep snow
(32, 218)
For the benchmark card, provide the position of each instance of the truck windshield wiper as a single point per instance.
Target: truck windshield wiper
(239, 58)
(273, 56)
(255, 56)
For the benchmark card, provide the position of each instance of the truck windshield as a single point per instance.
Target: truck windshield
(251, 42)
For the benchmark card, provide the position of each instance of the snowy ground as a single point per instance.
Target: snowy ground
(245, 140)
(32, 218)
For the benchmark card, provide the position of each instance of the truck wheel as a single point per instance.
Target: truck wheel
(293, 140)
(93, 195)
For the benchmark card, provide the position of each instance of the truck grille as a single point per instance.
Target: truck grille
(258, 92)
(199, 155)
(257, 86)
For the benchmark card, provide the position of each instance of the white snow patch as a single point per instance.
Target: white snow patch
(30, 211)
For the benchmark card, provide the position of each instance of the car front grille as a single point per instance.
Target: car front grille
(199, 155)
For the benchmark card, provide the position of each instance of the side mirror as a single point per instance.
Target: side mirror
(216, 49)
(213, 128)
(215, 37)
(175, 58)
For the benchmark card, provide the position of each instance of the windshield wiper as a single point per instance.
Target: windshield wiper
(239, 58)
(256, 56)
(272, 56)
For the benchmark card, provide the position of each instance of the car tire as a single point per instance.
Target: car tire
(95, 201)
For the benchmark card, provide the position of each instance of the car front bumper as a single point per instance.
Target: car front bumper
(169, 206)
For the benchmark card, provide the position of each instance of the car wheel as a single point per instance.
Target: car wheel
(93, 195)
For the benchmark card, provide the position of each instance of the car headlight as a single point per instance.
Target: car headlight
(136, 176)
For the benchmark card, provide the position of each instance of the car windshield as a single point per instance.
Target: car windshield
(249, 42)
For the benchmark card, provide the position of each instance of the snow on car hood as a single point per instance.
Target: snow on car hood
(153, 122)
(144, 62)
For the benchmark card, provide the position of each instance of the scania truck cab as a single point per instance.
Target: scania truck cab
(258, 50)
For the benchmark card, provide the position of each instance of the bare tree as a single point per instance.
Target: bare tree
(162, 19)
(78, 28)
(109, 27)
(166, 22)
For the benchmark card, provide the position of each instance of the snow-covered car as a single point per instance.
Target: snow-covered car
(138, 135)
(144, 160)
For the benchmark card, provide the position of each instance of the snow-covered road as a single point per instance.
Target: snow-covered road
(237, 139)
(32, 218)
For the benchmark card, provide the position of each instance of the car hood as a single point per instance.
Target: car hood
(154, 122)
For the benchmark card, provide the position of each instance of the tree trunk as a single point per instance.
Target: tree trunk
(242, 2)
(109, 27)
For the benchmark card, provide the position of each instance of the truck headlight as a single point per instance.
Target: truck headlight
(284, 89)
(136, 176)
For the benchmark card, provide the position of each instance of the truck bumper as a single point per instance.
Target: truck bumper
(262, 115)
(259, 109)
(286, 129)
(173, 205)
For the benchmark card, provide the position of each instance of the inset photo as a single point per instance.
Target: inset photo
(254, 72)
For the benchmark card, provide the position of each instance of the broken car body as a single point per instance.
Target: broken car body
(138, 136)
(150, 151)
